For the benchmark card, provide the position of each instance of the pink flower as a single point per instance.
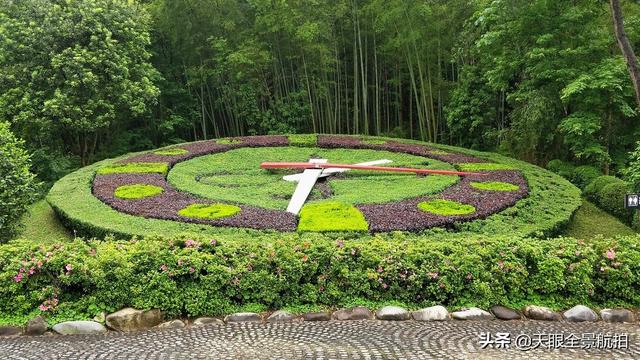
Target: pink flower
(501, 264)
(163, 267)
(18, 277)
(191, 270)
(321, 289)
(213, 242)
(611, 254)
(379, 270)
(48, 254)
(68, 267)
(39, 264)
(32, 271)
(353, 252)
(442, 285)
(601, 268)
(191, 243)
(469, 276)
(43, 307)
(305, 258)
(384, 286)
(340, 243)
(433, 275)
(577, 253)
(179, 262)
(21, 270)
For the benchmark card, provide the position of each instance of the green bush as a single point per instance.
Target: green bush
(303, 140)
(561, 168)
(592, 190)
(632, 172)
(446, 207)
(331, 216)
(205, 276)
(17, 184)
(611, 200)
(494, 186)
(209, 211)
(584, 175)
(134, 168)
(137, 191)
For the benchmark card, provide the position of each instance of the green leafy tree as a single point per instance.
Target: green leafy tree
(74, 70)
(17, 184)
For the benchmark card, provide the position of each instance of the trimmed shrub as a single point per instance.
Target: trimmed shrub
(17, 184)
(561, 168)
(137, 191)
(171, 152)
(205, 276)
(331, 216)
(134, 168)
(228, 141)
(592, 190)
(611, 200)
(446, 207)
(584, 175)
(303, 140)
(209, 211)
(494, 186)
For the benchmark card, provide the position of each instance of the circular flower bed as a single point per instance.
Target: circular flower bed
(355, 201)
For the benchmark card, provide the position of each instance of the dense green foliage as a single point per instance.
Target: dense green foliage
(584, 175)
(205, 276)
(608, 192)
(446, 207)
(494, 186)
(171, 152)
(17, 184)
(484, 167)
(331, 216)
(236, 176)
(134, 168)
(209, 211)
(632, 173)
(137, 191)
(76, 76)
(594, 188)
(545, 211)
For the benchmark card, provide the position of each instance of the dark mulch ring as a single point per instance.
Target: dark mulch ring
(167, 204)
(403, 215)
(406, 216)
(208, 147)
(350, 142)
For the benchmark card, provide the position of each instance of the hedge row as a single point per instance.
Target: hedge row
(580, 176)
(547, 209)
(608, 192)
(206, 276)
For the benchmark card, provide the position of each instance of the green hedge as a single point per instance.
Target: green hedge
(205, 276)
(608, 192)
(584, 175)
(545, 212)
(592, 190)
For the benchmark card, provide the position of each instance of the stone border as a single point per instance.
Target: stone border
(401, 215)
(130, 320)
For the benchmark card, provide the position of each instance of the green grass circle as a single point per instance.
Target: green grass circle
(209, 211)
(494, 186)
(171, 152)
(446, 207)
(137, 191)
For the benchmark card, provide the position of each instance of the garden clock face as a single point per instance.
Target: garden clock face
(221, 183)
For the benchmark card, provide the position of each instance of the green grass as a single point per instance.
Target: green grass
(40, 224)
(494, 186)
(484, 167)
(137, 191)
(590, 221)
(446, 207)
(171, 152)
(235, 176)
(134, 168)
(209, 211)
(331, 216)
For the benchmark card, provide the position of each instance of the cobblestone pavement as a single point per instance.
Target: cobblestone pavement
(322, 340)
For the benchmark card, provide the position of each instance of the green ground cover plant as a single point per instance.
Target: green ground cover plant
(331, 216)
(594, 188)
(303, 140)
(484, 167)
(235, 176)
(544, 212)
(494, 186)
(171, 152)
(134, 168)
(209, 211)
(446, 207)
(228, 141)
(137, 191)
(194, 276)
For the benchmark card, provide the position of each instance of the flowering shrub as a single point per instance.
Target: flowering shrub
(204, 276)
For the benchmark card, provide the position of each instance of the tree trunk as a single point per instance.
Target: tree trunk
(625, 46)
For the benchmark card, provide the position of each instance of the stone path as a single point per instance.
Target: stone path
(331, 340)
